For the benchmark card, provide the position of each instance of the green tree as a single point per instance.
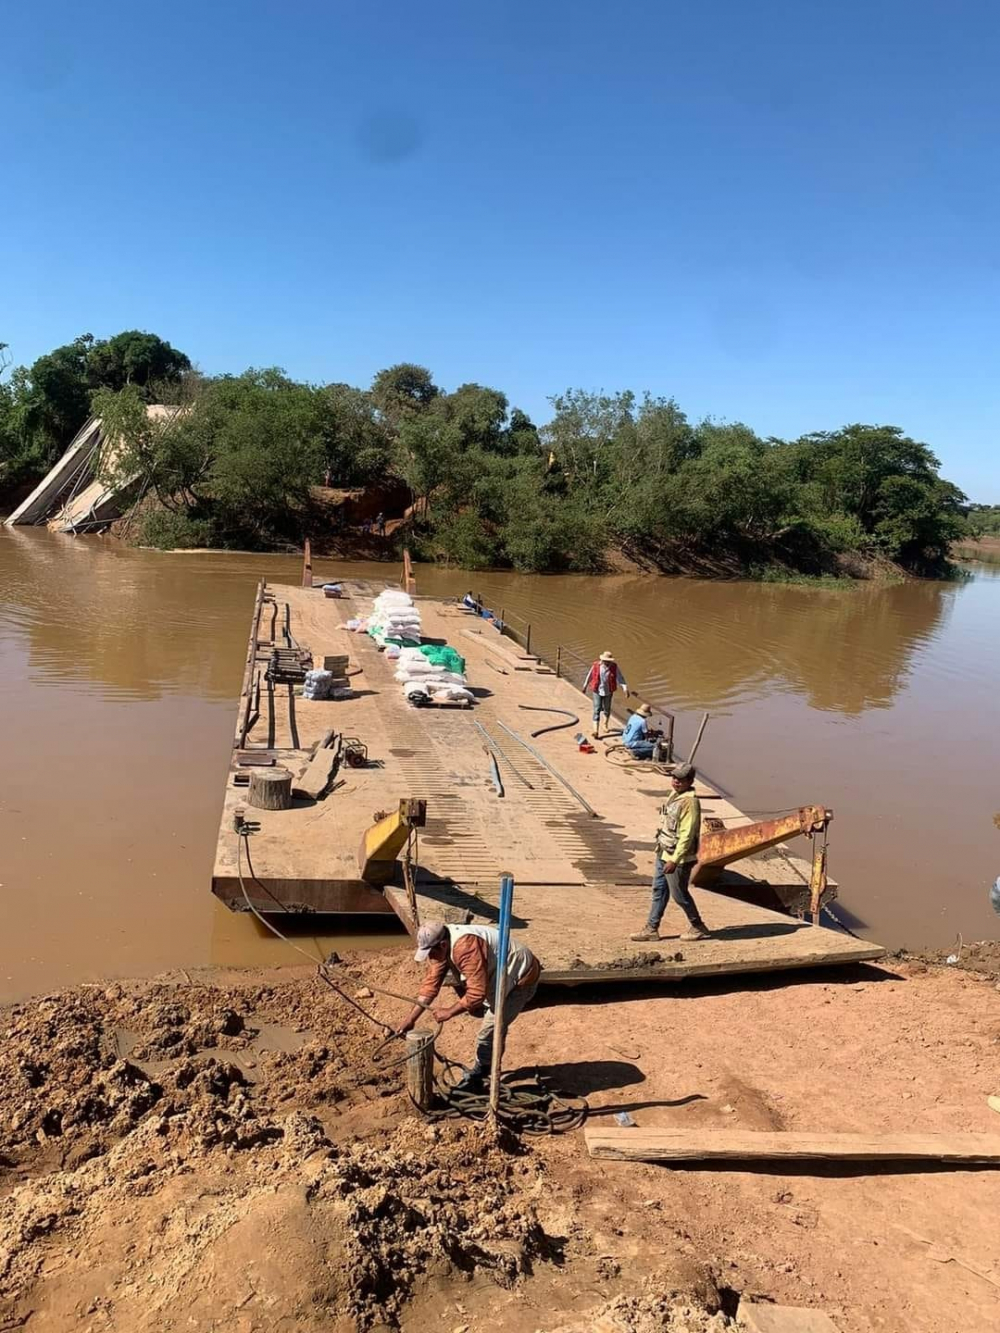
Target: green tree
(478, 414)
(58, 402)
(138, 358)
(889, 484)
(152, 448)
(264, 435)
(54, 394)
(357, 442)
(402, 391)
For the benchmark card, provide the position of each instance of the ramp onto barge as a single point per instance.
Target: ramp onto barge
(582, 882)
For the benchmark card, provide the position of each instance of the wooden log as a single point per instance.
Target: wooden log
(761, 1318)
(270, 788)
(316, 774)
(420, 1068)
(737, 1145)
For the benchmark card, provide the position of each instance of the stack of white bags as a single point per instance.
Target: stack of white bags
(393, 616)
(421, 679)
(318, 685)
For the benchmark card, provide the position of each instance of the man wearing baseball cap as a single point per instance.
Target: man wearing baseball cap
(473, 952)
(676, 854)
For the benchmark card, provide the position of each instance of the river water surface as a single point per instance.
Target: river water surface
(119, 676)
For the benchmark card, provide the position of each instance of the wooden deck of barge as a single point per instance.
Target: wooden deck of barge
(582, 883)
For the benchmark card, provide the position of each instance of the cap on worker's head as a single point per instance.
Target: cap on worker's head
(644, 710)
(427, 936)
(684, 773)
(607, 657)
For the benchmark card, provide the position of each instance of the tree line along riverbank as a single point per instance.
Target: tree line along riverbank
(259, 460)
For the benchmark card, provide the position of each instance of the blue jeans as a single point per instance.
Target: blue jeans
(674, 885)
(513, 1004)
(602, 703)
(642, 749)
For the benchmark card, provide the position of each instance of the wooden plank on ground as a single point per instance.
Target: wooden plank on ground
(757, 1317)
(316, 774)
(735, 1145)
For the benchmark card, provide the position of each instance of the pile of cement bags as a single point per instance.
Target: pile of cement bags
(394, 619)
(432, 672)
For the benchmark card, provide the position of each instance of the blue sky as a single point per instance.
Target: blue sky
(784, 213)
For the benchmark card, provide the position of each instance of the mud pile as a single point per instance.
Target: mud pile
(80, 1070)
(158, 1167)
(678, 1302)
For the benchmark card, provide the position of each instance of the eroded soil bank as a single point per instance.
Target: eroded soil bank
(220, 1150)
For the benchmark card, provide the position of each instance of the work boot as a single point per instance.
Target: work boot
(696, 933)
(471, 1081)
(645, 935)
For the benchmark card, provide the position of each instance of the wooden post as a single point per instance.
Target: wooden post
(500, 994)
(420, 1068)
(697, 739)
(307, 566)
(270, 788)
(409, 582)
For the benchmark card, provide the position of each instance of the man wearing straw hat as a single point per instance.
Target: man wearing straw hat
(638, 737)
(603, 679)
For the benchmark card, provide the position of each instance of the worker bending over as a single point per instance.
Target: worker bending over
(640, 739)
(603, 679)
(676, 853)
(473, 951)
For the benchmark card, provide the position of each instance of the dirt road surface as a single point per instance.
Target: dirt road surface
(218, 1151)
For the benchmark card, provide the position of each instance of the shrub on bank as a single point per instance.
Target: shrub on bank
(169, 531)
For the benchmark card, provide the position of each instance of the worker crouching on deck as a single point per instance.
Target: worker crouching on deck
(473, 951)
(603, 679)
(639, 738)
(676, 854)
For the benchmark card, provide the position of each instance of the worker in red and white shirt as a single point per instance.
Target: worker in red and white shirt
(473, 951)
(603, 678)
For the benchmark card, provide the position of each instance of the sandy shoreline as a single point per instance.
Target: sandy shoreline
(219, 1150)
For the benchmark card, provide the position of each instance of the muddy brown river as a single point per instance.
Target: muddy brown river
(120, 669)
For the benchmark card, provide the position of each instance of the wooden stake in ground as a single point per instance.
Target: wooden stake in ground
(420, 1068)
(270, 788)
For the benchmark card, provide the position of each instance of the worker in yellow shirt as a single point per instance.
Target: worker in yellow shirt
(676, 854)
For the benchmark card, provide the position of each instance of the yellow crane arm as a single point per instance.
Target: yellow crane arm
(719, 846)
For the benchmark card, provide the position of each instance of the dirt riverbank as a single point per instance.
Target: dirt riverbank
(220, 1151)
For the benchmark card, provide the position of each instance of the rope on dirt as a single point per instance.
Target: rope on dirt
(556, 726)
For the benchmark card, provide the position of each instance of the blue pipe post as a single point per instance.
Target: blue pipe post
(500, 992)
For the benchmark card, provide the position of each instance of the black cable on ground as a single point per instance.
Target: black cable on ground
(557, 726)
(526, 1105)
